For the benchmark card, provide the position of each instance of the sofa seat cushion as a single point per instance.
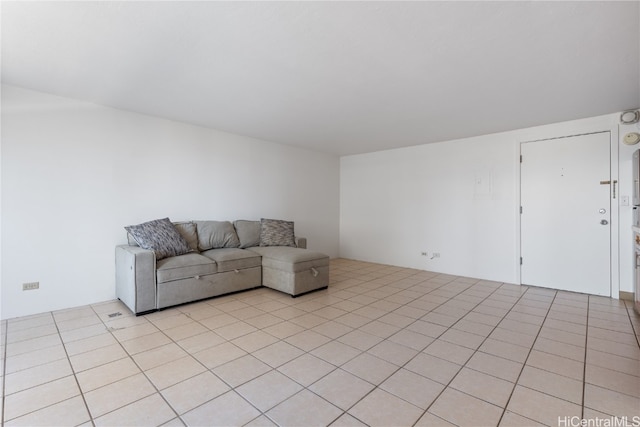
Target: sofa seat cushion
(184, 266)
(289, 259)
(230, 259)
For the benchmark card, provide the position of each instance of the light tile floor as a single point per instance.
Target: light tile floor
(382, 346)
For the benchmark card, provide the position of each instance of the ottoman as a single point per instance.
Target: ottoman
(294, 271)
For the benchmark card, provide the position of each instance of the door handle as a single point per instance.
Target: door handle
(614, 182)
(604, 222)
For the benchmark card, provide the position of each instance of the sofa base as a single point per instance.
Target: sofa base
(191, 302)
(197, 288)
(310, 292)
(142, 313)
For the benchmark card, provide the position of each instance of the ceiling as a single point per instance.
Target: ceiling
(336, 77)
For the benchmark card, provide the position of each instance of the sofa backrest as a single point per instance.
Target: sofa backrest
(205, 235)
(248, 233)
(216, 235)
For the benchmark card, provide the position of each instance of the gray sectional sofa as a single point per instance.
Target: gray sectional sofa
(166, 264)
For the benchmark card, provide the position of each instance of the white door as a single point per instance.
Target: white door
(565, 220)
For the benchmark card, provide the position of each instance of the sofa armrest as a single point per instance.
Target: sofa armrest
(136, 278)
(301, 242)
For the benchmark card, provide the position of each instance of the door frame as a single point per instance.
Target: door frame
(614, 267)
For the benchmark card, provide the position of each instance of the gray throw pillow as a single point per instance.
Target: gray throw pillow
(248, 233)
(276, 232)
(216, 234)
(187, 230)
(160, 236)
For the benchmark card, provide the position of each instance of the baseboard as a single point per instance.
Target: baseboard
(627, 296)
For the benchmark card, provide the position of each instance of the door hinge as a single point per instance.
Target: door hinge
(520, 260)
(520, 158)
(520, 209)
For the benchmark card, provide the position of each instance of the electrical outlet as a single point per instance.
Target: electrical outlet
(30, 286)
(424, 254)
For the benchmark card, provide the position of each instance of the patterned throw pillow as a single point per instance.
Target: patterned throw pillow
(276, 232)
(187, 229)
(160, 236)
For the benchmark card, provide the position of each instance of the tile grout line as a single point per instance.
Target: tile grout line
(326, 320)
(419, 352)
(495, 327)
(636, 332)
(584, 365)
(143, 371)
(478, 350)
(362, 291)
(637, 339)
(343, 412)
(73, 371)
(4, 369)
(474, 352)
(110, 330)
(524, 364)
(46, 382)
(231, 388)
(377, 386)
(436, 338)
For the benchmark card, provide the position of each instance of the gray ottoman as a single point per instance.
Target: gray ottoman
(295, 271)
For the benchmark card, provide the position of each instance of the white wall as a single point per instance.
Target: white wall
(75, 173)
(460, 198)
(396, 204)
